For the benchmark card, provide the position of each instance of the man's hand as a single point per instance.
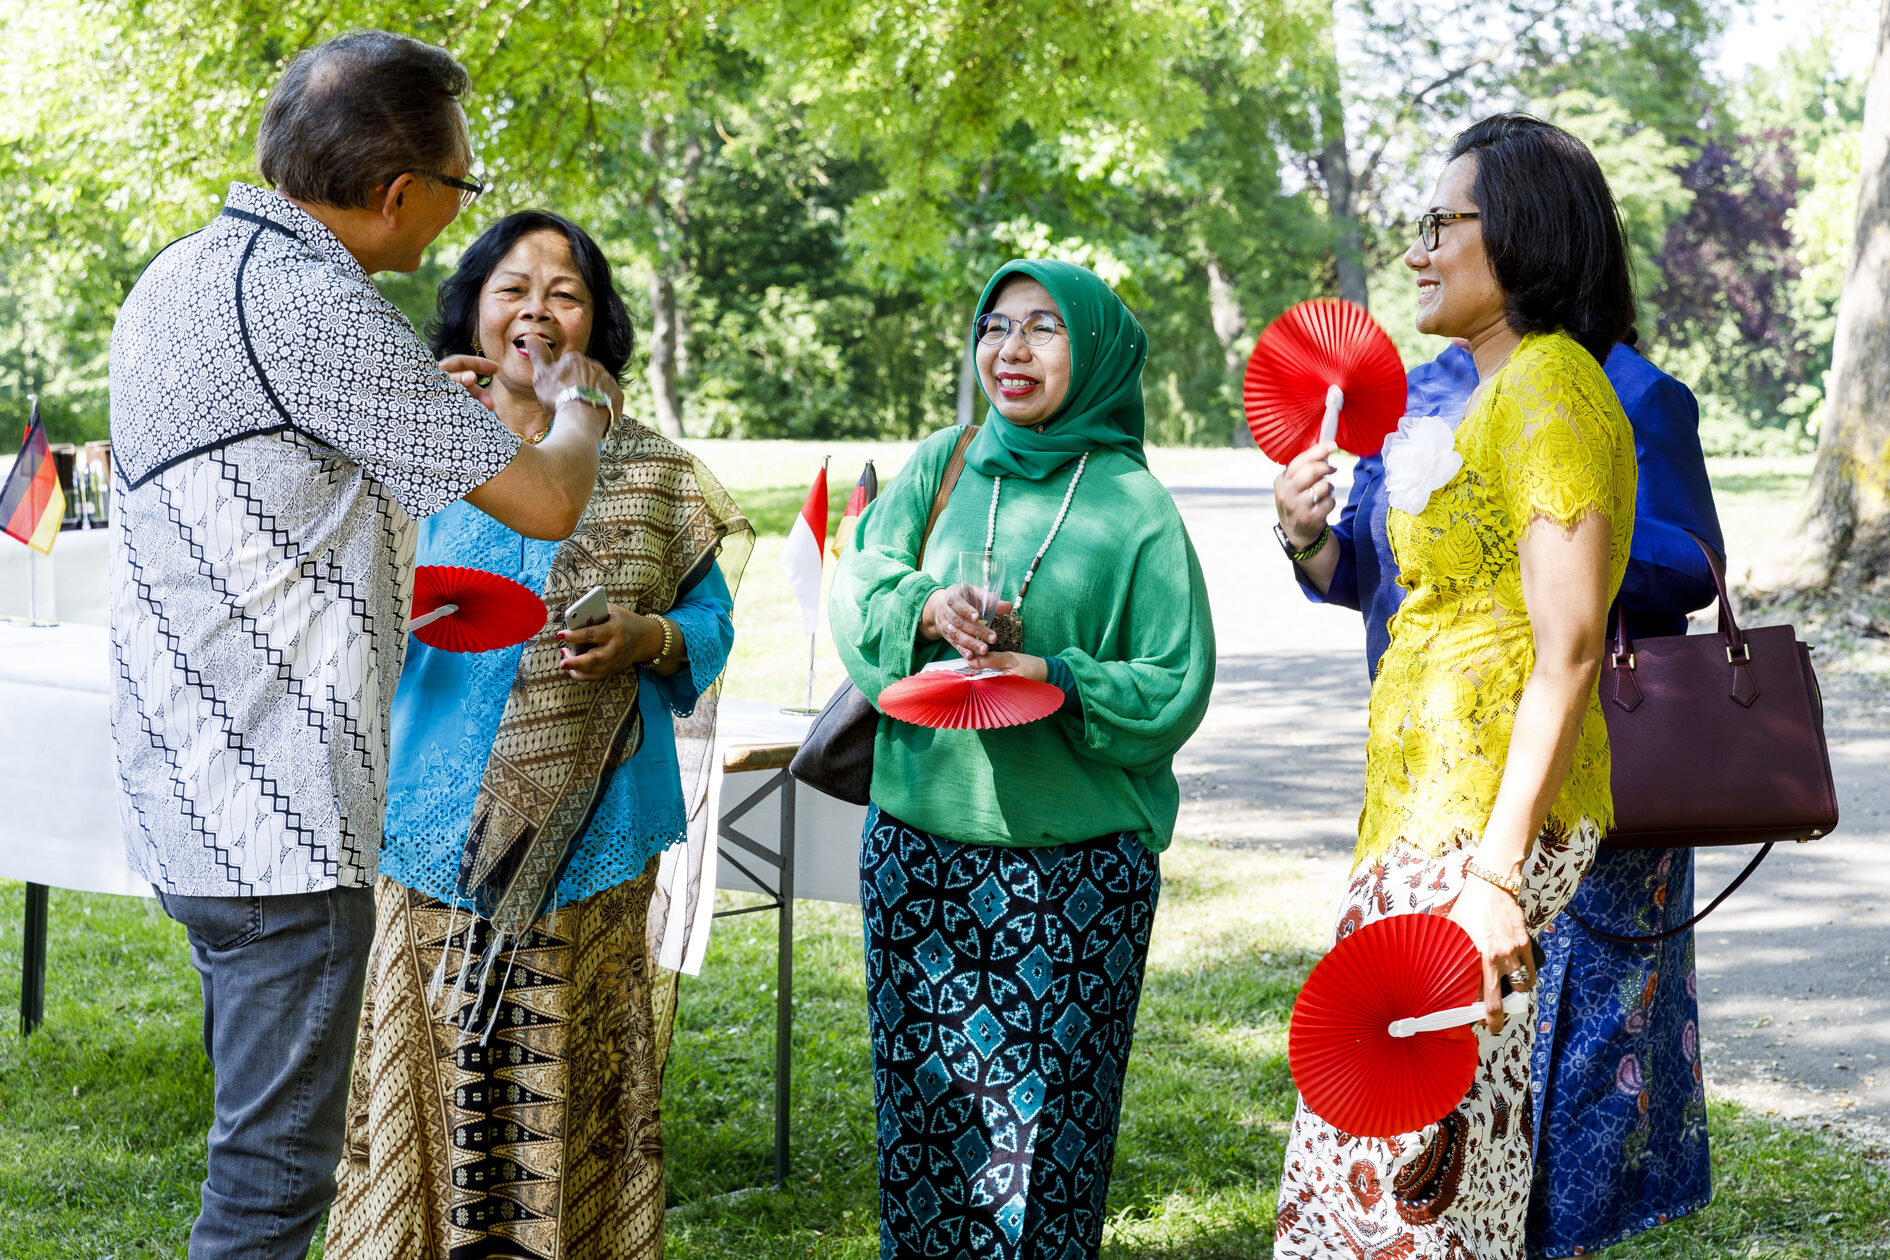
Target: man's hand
(553, 374)
(466, 369)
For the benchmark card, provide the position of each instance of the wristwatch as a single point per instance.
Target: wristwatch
(584, 394)
(1300, 555)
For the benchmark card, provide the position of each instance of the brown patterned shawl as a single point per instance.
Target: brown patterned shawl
(656, 517)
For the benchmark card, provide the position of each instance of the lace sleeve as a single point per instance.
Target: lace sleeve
(1560, 444)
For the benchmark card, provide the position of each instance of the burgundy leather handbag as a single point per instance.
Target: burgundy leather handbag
(1715, 739)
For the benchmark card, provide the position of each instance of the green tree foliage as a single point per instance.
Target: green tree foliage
(802, 197)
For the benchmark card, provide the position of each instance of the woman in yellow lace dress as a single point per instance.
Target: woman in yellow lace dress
(1487, 784)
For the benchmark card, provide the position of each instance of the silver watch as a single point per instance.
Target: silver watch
(584, 394)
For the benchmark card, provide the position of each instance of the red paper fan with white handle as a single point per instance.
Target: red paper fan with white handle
(1380, 1042)
(469, 610)
(950, 696)
(1323, 371)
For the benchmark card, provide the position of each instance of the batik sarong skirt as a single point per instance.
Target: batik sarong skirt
(542, 1141)
(1457, 1189)
(1620, 1095)
(1002, 987)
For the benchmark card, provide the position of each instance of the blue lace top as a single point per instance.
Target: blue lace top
(447, 709)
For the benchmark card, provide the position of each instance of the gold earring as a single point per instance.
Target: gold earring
(476, 349)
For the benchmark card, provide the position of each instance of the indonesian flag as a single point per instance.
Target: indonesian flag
(31, 502)
(864, 492)
(800, 558)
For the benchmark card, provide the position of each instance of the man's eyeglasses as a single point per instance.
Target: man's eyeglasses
(995, 330)
(469, 190)
(1431, 222)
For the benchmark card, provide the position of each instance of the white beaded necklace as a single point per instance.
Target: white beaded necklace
(990, 530)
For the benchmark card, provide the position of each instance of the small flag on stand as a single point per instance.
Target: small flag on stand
(31, 503)
(801, 557)
(864, 492)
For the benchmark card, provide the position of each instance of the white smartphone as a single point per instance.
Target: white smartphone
(593, 608)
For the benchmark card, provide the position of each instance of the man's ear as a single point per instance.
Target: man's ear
(393, 195)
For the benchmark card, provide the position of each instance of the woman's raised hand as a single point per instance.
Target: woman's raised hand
(1302, 493)
(951, 614)
(466, 369)
(1495, 923)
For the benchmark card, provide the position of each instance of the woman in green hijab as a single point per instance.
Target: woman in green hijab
(1009, 876)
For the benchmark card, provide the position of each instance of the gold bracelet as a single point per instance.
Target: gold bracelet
(1512, 885)
(669, 639)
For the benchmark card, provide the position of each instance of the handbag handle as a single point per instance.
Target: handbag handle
(953, 467)
(1652, 937)
(1742, 688)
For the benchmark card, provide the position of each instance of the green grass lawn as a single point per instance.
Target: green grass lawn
(103, 1111)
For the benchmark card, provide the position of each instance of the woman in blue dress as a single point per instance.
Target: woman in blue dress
(509, 1064)
(1620, 1106)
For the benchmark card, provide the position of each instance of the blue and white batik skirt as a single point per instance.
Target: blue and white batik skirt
(1002, 987)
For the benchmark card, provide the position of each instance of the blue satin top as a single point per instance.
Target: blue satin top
(1666, 575)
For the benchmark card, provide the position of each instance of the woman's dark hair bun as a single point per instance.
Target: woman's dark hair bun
(1552, 231)
(455, 320)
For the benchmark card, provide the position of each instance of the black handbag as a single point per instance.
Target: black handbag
(836, 758)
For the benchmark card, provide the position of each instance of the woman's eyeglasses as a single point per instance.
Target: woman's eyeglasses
(995, 330)
(468, 189)
(1431, 222)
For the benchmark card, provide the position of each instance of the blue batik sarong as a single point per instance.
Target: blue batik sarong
(1002, 987)
(1620, 1098)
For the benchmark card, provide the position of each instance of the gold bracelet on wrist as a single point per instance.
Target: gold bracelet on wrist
(669, 640)
(1511, 884)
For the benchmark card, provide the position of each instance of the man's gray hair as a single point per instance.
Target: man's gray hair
(351, 115)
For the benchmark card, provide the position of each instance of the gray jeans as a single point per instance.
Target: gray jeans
(282, 981)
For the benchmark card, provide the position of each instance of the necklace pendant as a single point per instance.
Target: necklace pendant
(1009, 628)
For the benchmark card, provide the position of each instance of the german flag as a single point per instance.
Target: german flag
(31, 502)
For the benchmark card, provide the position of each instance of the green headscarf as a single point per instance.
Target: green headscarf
(1104, 406)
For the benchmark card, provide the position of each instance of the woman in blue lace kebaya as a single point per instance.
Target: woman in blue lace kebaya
(509, 1066)
(1620, 1107)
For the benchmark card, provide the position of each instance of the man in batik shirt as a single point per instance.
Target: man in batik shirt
(277, 429)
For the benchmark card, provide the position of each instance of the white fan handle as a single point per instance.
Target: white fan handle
(1456, 1017)
(1329, 427)
(444, 610)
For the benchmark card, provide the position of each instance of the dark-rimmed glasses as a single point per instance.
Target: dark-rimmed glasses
(1038, 329)
(1431, 222)
(469, 190)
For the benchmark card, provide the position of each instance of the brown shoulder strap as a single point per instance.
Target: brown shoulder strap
(945, 484)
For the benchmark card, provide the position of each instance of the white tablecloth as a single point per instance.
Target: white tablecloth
(58, 789)
(71, 580)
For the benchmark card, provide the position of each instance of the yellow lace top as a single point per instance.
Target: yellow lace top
(1546, 440)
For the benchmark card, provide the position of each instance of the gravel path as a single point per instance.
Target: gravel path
(1794, 969)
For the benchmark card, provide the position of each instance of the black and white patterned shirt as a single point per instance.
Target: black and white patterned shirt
(277, 428)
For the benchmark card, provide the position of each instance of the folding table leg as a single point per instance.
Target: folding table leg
(33, 962)
(784, 976)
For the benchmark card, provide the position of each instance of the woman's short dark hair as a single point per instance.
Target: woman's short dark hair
(455, 319)
(1552, 231)
(355, 113)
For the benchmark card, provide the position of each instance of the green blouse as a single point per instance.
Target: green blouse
(1119, 597)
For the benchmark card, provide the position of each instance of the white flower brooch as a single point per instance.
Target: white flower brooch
(1420, 458)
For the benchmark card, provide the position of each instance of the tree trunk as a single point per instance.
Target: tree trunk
(664, 390)
(968, 381)
(1230, 326)
(669, 224)
(1847, 511)
(1335, 168)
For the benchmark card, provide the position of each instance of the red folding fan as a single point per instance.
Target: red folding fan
(1380, 1042)
(470, 610)
(950, 696)
(1324, 370)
